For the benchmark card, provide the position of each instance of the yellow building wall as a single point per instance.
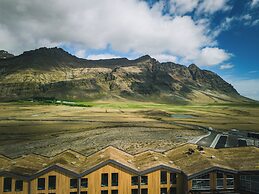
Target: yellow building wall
(213, 180)
(25, 187)
(124, 186)
(154, 182)
(62, 184)
(189, 185)
(124, 180)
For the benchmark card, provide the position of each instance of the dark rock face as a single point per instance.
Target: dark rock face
(5, 54)
(55, 73)
(211, 80)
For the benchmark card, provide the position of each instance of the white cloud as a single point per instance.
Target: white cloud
(102, 56)
(228, 22)
(124, 25)
(212, 6)
(226, 66)
(182, 7)
(254, 23)
(165, 58)
(254, 3)
(246, 17)
(212, 56)
(253, 71)
(247, 87)
(248, 20)
(224, 26)
(80, 53)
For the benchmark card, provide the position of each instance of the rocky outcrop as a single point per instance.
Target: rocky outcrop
(5, 55)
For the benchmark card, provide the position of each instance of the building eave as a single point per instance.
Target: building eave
(214, 168)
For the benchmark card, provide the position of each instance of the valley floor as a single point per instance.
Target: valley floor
(27, 127)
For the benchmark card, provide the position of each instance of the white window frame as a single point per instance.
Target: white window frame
(201, 179)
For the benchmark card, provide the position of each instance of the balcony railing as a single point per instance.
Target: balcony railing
(221, 191)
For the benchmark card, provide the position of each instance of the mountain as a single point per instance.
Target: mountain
(5, 54)
(54, 73)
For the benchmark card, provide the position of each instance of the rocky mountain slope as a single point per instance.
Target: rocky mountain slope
(52, 72)
(5, 54)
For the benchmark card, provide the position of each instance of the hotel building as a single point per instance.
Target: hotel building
(182, 170)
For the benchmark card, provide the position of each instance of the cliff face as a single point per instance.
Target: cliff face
(55, 73)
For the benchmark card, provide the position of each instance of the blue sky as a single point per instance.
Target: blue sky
(219, 35)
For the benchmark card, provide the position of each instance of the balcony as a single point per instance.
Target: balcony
(221, 191)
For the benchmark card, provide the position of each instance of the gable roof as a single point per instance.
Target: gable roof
(76, 164)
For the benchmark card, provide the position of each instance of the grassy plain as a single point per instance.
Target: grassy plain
(48, 129)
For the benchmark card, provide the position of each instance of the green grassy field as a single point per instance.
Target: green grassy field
(48, 128)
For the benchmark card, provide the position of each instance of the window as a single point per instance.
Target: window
(41, 183)
(84, 182)
(114, 191)
(134, 180)
(18, 185)
(73, 183)
(115, 179)
(163, 177)
(104, 182)
(144, 180)
(220, 180)
(163, 191)
(104, 192)
(230, 181)
(134, 191)
(83, 192)
(173, 178)
(172, 190)
(52, 182)
(201, 182)
(220, 175)
(7, 184)
(249, 183)
(144, 191)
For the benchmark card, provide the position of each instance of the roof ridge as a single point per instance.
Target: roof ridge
(210, 158)
(87, 155)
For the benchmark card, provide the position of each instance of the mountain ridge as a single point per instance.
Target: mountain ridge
(4, 54)
(53, 72)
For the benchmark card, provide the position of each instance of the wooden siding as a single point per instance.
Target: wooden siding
(154, 182)
(62, 184)
(94, 182)
(124, 180)
(25, 187)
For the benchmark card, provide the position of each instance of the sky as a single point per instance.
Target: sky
(217, 35)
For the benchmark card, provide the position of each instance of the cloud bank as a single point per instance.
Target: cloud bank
(247, 87)
(102, 56)
(124, 25)
(254, 3)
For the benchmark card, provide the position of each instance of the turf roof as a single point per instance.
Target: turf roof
(177, 159)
